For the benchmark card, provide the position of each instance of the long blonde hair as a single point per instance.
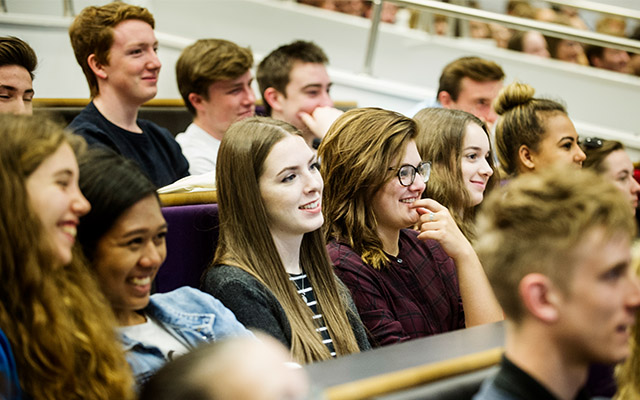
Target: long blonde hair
(246, 242)
(60, 327)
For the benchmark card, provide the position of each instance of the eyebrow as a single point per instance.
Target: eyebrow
(295, 168)
(567, 137)
(13, 89)
(63, 173)
(141, 231)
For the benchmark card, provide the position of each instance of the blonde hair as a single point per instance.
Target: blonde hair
(59, 325)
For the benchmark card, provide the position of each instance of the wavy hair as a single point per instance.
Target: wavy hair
(59, 325)
(246, 242)
(356, 153)
(440, 140)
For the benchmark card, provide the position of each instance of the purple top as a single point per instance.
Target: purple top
(416, 294)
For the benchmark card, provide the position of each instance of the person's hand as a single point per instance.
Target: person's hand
(437, 223)
(320, 121)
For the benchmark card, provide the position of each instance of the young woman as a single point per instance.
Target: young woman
(457, 143)
(271, 266)
(123, 237)
(405, 285)
(608, 158)
(56, 321)
(533, 133)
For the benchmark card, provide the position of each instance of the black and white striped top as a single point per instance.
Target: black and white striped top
(306, 291)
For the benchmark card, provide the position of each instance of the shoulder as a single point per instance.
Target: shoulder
(342, 254)
(489, 391)
(151, 128)
(220, 278)
(184, 299)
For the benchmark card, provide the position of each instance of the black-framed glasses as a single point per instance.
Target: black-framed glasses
(407, 173)
(591, 143)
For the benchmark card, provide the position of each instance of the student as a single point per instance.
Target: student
(214, 79)
(295, 88)
(123, 237)
(17, 63)
(529, 42)
(533, 133)
(57, 323)
(271, 267)
(116, 48)
(405, 284)
(556, 248)
(457, 144)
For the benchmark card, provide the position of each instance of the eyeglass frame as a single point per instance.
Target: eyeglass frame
(414, 171)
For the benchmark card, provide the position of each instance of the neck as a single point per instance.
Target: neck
(390, 239)
(202, 122)
(536, 353)
(118, 111)
(288, 247)
(129, 317)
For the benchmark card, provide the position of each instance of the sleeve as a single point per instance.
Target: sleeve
(250, 305)
(226, 323)
(368, 295)
(449, 275)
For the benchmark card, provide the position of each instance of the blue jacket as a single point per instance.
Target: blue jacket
(9, 386)
(193, 315)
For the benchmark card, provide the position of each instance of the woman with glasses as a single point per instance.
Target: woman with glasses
(532, 133)
(271, 266)
(457, 143)
(608, 158)
(406, 284)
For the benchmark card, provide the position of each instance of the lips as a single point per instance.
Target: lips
(310, 206)
(409, 200)
(69, 228)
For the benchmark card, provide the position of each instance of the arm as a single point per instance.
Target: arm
(479, 302)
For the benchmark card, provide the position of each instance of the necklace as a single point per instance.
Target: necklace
(301, 291)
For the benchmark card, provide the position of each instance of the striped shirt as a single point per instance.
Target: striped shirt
(306, 292)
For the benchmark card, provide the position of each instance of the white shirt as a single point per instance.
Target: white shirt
(152, 334)
(200, 149)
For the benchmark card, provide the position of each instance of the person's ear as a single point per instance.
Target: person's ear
(444, 98)
(526, 157)
(196, 101)
(540, 297)
(96, 67)
(274, 98)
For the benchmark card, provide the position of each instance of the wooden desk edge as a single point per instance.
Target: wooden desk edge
(391, 382)
(185, 199)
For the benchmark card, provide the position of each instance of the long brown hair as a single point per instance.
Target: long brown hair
(246, 242)
(356, 153)
(440, 140)
(59, 325)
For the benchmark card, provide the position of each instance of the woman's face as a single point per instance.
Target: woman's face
(619, 169)
(392, 204)
(291, 188)
(55, 197)
(476, 170)
(570, 51)
(559, 145)
(129, 255)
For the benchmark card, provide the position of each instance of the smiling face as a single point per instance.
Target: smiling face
(228, 101)
(476, 170)
(476, 98)
(55, 197)
(128, 256)
(393, 203)
(291, 189)
(16, 90)
(599, 306)
(559, 145)
(534, 43)
(619, 169)
(132, 72)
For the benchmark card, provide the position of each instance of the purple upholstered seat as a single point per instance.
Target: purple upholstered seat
(191, 243)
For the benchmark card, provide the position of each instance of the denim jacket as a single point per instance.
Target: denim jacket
(194, 316)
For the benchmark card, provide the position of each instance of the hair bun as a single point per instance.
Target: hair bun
(513, 95)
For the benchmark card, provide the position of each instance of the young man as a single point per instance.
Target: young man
(469, 84)
(608, 58)
(556, 249)
(116, 47)
(17, 63)
(214, 79)
(295, 88)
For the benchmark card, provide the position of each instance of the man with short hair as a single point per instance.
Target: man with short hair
(214, 78)
(469, 84)
(608, 58)
(116, 47)
(17, 63)
(295, 88)
(556, 249)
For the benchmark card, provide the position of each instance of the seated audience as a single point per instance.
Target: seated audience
(214, 79)
(608, 58)
(458, 146)
(241, 369)
(406, 284)
(530, 42)
(57, 323)
(556, 248)
(271, 266)
(123, 238)
(564, 49)
(295, 88)
(17, 63)
(609, 159)
(533, 133)
(116, 47)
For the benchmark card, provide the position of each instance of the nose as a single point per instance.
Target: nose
(635, 186)
(579, 156)
(326, 100)
(633, 298)
(314, 183)
(491, 116)
(485, 168)
(153, 255)
(20, 106)
(418, 184)
(80, 205)
(154, 61)
(250, 97)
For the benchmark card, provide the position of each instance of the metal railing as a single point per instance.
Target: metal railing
(466, 13)
(599, 8)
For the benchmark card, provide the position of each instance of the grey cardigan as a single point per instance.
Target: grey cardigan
(256, 306)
